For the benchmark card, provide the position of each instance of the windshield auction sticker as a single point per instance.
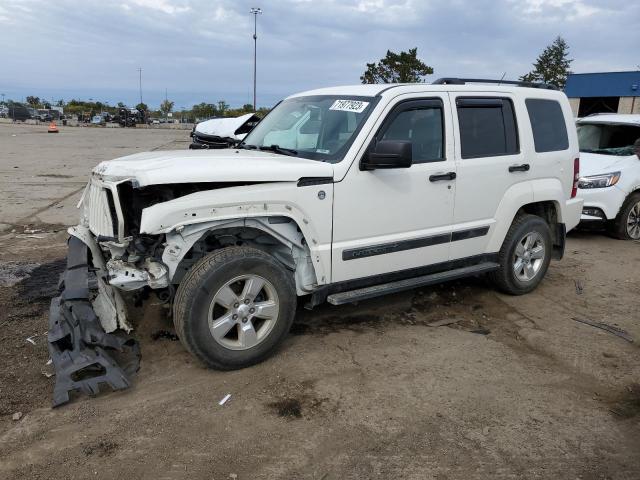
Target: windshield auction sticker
(349, 106)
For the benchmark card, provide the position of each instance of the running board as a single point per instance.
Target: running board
(400, 285)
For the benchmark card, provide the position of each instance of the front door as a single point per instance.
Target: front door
(388, 220)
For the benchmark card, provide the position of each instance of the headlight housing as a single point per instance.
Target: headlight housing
(599, 181)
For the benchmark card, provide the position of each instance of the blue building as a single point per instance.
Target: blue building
(606, 92)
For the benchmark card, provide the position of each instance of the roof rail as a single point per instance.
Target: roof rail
(464, 81)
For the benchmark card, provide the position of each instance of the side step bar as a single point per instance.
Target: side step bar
(400, 285)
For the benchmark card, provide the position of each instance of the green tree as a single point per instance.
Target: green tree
(552, 65)
(60, 103)
(222, 107)
(203, 110)
(33, 101)
(166, 106)
(247, 107)
(141, 107)
(403, 67)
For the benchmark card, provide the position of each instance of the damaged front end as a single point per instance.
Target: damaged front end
(222, 132)
(88, 325)
(84, 353)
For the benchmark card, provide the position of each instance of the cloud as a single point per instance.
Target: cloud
(558, 10)
(202, 50)
(163, 6)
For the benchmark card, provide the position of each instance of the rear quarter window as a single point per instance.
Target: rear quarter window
(548, 125)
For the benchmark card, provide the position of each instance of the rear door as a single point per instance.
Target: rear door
(489, 162)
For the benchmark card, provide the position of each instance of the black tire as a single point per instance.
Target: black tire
(505, 277)
(618, 228)
(205, 279)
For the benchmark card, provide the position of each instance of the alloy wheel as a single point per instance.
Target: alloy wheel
(633, 222)
(529, 256)
(243, 312)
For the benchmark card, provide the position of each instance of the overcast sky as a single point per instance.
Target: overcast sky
(202, 50)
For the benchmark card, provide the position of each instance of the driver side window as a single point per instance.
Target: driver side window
(420, 123)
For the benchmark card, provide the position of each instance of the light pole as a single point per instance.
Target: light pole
(255, 11)
(140, 82)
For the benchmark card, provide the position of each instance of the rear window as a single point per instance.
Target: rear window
(548, 125)
(487, 127)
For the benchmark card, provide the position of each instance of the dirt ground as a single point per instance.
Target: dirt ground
(515, 388)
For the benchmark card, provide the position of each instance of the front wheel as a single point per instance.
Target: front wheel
(234, 307)
(626, 226)
(524, 257)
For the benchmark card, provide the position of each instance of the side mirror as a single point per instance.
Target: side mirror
(388, 154)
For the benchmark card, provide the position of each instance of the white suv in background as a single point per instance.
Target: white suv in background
(610, 172)
(340, 195)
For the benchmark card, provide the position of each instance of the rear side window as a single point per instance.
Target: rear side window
(548, 125)
(487, 127)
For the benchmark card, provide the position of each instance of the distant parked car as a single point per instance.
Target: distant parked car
(98, 120)
(43, 116)
(222, 132)
(17, 111)
(610, 173)
(130, 117)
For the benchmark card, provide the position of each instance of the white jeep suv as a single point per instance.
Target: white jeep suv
(610, 172)
(338, 194)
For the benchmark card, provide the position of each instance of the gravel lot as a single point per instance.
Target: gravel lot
(516, 388)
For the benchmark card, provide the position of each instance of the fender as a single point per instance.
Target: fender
(202, 211)
(521, 194)
(514, 198)
(182, 240)
(550, 189)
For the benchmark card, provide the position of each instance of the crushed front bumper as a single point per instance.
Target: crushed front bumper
(83, 353)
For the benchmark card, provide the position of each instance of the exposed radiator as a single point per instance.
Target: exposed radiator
(99, 211)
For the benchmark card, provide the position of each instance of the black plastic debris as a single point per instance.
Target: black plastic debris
(84, 355)
(165, 334)
(481, 331)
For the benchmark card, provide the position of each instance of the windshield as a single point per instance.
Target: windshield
(319, 127)
(607, 138)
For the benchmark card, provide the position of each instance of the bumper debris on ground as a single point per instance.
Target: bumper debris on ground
(83, 354)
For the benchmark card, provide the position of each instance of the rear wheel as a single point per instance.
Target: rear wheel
(626, 226)
(234, 307)
(524, 257)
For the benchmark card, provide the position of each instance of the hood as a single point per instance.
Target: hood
(228, 165)
(228, 127)
(596, 164)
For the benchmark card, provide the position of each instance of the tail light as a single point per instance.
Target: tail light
(576, 177)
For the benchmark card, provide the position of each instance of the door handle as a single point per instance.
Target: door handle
(442, 176)
(519, 168)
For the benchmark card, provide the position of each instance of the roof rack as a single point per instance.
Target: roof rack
(464, 81)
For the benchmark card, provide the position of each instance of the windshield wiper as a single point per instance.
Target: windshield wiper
(279, 149)
(246, 146)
